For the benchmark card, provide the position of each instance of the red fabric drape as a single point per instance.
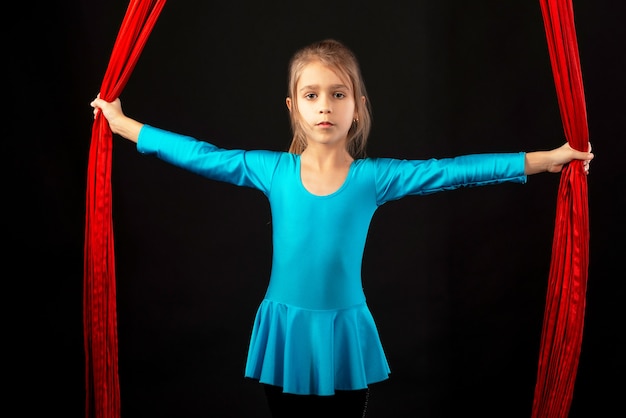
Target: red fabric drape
(567, 285)
(99, 300)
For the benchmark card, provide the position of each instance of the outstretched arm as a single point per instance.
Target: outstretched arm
(554, 160)
(120, 123)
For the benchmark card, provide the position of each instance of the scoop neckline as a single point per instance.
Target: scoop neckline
(322, 196)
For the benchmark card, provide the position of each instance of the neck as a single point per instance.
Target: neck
(326, 157)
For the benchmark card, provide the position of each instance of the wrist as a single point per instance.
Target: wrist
(537, 162)
(126, 127)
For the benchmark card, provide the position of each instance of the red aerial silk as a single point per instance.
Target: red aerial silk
(567, 285)
(99, 307)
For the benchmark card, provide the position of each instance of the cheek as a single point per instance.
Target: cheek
(300, 117)
(305, 111)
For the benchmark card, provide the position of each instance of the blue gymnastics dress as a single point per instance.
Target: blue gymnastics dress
(313, 332)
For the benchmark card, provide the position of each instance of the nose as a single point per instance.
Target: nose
(324, 106)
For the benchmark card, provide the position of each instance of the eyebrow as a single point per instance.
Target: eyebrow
(316, 86)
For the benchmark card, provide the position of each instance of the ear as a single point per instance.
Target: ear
(288, 102)
(356, 115)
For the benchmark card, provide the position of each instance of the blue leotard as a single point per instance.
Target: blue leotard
(313, 332)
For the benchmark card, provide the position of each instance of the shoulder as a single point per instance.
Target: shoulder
(378, 164)
(268, 163)
(271, 157)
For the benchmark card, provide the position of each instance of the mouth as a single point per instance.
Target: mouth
(325, 124)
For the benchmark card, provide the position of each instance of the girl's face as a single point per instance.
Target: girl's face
(326, 105)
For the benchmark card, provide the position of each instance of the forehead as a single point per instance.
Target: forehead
(316, 73)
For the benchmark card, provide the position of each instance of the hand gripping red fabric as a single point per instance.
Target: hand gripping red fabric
(562, 331)
(99, 300)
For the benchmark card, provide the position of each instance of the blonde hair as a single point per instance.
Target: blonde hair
(337, 56)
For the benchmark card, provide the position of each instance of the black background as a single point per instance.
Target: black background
(456, 281)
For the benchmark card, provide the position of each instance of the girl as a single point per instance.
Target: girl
(314, 343)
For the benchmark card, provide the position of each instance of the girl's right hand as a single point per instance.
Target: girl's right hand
(110, 110)
(118, 122)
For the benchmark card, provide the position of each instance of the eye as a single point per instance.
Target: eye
(310, 96)
(339, 95)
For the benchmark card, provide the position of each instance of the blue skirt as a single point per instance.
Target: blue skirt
(314, 352)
